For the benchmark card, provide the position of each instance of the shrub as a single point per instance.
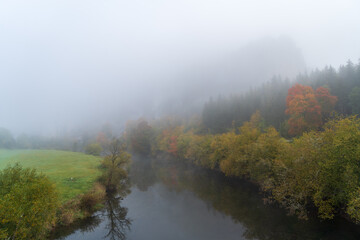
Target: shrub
(28, 203)
(89, 200)
(93, 149)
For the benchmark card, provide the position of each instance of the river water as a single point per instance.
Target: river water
(167, 199)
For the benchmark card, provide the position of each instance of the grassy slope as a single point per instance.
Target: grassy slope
(72, 172)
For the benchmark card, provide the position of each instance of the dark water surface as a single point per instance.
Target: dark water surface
(167, 199)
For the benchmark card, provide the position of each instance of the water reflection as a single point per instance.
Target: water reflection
(79, 227)
(109, 223)
(143, 172)
(117, 222)
(173, 200)
(242, 202)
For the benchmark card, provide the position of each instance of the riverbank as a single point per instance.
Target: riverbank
(173, 199)
(73, 176)
(317, 170)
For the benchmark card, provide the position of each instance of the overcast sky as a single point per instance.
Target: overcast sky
(65, 62)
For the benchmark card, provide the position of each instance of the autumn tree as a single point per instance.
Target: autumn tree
(296, 170)
(114, 161)
(237, 161)
(199, 150)
(339, 176)
(308, 109)
(173, 149)
(303, 108)
(168, 140)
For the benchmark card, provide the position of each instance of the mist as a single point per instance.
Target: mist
(79, 64)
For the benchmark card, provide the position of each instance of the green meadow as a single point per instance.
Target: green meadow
(73, 173)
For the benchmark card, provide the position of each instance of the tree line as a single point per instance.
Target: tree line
(221, 114)
(318, 169)
(91, 142)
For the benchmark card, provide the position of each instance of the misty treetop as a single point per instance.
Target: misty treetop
(270, 99)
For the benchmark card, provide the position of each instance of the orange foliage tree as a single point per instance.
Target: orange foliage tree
(173, 149)
(303, 108)
(308, 109)
(168, 140)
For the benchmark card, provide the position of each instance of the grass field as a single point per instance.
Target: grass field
(72, 172)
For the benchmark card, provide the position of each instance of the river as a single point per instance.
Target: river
(168, 199)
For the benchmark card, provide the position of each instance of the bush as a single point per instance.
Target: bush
(93, 149)
(28, 203)
(89, 200)
(82, 206)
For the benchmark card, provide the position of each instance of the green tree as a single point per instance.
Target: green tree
(339, 176)
(28, 203)
(296, 172)
(354, 98)
(322, 168)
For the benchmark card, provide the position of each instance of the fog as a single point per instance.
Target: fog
(77, 64)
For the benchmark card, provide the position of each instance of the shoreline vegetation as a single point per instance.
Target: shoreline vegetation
(317, 170)
(32, 218)
(298, 141)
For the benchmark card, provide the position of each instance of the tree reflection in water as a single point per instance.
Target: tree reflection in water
(86, 225)
(118, 223)
(238, 199)
(113, 214)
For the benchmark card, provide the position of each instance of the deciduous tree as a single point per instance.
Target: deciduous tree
(115, 160)
(303, 108)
